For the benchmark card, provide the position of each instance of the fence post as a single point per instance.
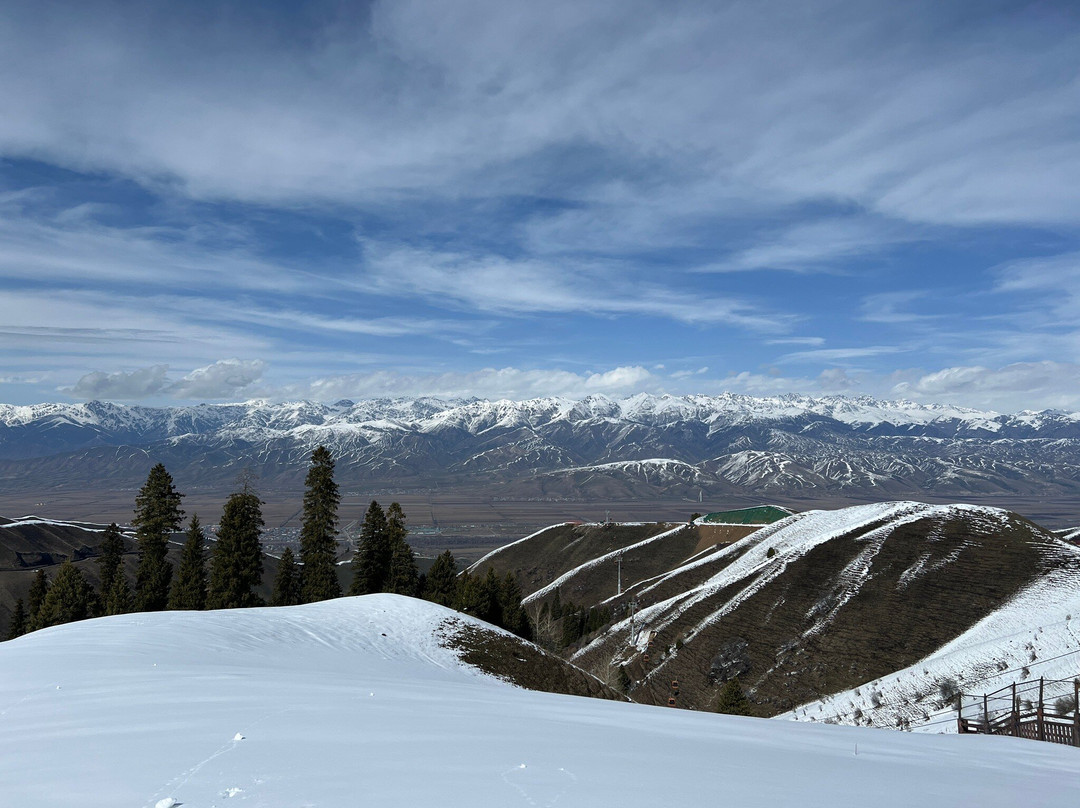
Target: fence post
(1076, 712)
(1040, 727)
(1015, 728)
(986, 715)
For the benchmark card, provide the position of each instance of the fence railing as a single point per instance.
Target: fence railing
(1024, 711)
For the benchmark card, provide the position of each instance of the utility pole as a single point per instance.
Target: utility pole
(618, 561)
(633, 608)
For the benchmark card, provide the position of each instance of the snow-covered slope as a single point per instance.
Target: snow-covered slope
(682, 446)
(1035, 635)
(356, 702)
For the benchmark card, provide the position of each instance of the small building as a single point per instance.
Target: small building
(759, 515)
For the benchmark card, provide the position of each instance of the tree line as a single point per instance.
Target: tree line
(384, 562)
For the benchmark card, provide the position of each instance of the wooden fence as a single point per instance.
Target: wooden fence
(1023, 712)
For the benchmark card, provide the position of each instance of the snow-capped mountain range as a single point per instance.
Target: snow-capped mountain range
(595, 446)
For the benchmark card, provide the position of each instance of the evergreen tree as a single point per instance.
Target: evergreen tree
(573, 625)
(371, 565)
(513, 616)
(556, 606)
(287, 582)
(39, 588)
(480, 596)
(403, 578)
(189, 586)
(17, 624)
(465, 594)
(318, 543)
(440, 584)
(118, 599)
(112, 555)
(70, 598)
(157, 515)
(733, 700)
(236, 566)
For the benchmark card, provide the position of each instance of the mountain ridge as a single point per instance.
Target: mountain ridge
(595, 447)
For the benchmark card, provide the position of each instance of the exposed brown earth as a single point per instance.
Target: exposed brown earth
(522, 663)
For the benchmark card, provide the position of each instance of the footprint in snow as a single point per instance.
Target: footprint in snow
(539, 786)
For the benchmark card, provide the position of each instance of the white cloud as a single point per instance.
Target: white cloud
(124, 386)
(225, 379)
(839, 354)
(1022, 385)
(230, 379)
(497, 285)
(507, 382)
(912, 111)
(815, 245)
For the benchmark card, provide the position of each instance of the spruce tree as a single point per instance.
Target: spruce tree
(466, 594)
(403, 577)
(39, 588)
(318, 532)
(157, 515)
(556, 606)
(118, 599)
(17, 623)
(287, 582)
(512, 614)
(70, 598)
(440, 584)
(479, 596)
(733, 700)
(236, 566)
(112, 555)
(189, 586)
(371, 564)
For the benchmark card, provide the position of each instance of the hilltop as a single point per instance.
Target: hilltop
(364, 700)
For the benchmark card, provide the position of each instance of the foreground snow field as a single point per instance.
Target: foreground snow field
(355, 702)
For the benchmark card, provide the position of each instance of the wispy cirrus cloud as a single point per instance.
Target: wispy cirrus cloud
(495, 284)
(849, 101)
(400, 187)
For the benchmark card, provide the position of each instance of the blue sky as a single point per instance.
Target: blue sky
(222, 201)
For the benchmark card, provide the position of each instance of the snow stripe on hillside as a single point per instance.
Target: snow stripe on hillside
(595, 562)
(498, 550)
(1035, 634)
